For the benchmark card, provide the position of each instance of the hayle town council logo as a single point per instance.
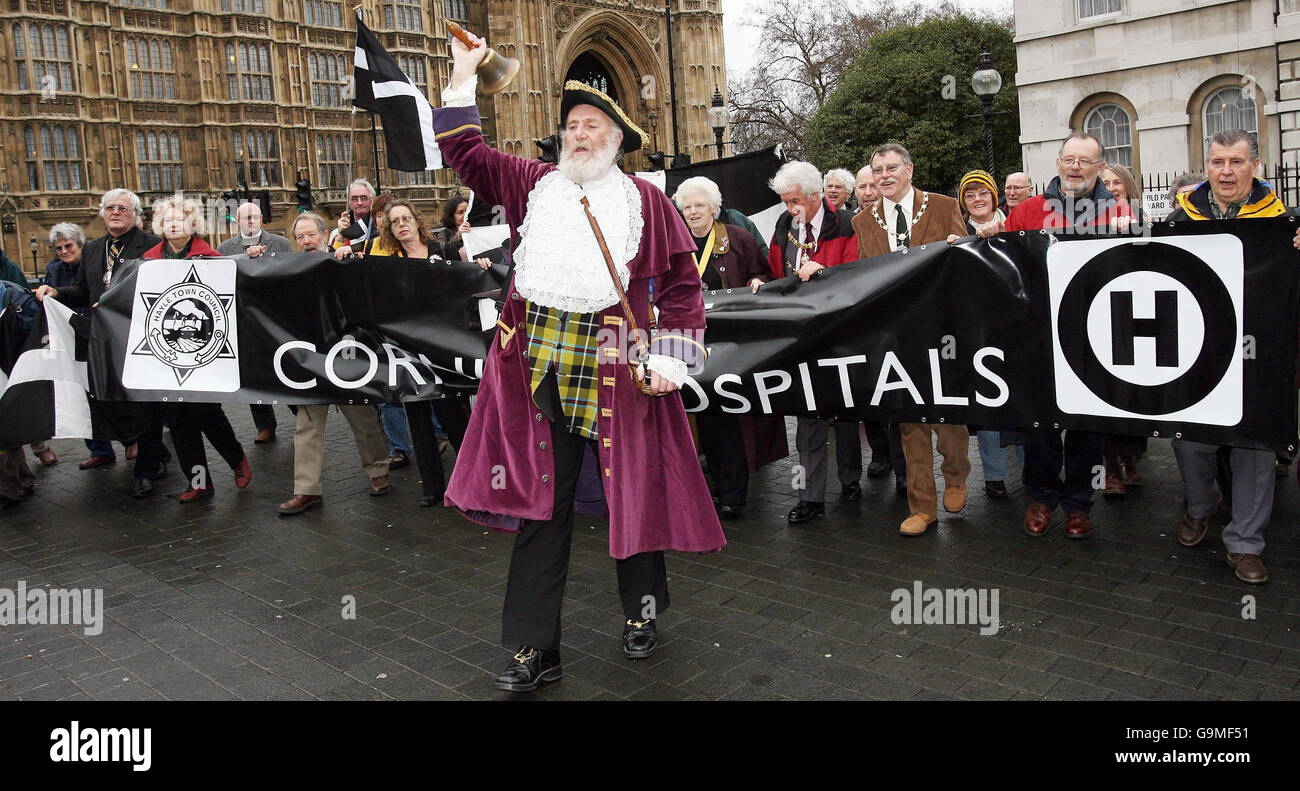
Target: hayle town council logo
(180, 328)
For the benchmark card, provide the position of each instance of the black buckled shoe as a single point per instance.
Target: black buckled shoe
(729, 511)
(530, 669)
(143, 488)
(878, 469)
(640, 639)
(852, 492)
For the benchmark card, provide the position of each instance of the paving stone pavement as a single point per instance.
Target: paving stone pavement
(224, 599)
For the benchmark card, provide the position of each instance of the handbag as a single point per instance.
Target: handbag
(643, 350)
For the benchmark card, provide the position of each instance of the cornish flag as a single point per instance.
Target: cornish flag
(382, 87)
(43, 390)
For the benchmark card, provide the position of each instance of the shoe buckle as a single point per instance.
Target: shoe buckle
(524, 654)
(637, 624)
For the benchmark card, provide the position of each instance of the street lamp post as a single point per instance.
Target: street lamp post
(718, 117)
(986, 82)
(35, 263)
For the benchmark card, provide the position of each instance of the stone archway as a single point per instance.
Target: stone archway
(606, 44)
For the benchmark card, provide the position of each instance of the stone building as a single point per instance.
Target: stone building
(1153, 79)
(206, 95)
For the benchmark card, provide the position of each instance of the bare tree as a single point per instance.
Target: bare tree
(806, 50)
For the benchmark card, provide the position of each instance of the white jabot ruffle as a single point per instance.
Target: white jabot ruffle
(462, 96)
(559, 263)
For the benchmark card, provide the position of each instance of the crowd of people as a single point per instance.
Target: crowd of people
(541, 391)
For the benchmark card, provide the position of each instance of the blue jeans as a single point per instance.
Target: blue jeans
(100, 448)
(993, 457)
(393, 416)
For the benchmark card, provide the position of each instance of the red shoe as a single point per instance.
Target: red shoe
(1078, 525)
(191, 494)
(47, 457)
(243, 473)
(1037, 518)
(96, 461)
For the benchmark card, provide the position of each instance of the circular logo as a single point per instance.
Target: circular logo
(1201, 340)
(187, 325)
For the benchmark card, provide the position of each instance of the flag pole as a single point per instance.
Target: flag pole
(374, 144)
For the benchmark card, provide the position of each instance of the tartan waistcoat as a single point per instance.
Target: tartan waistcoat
(566, 342)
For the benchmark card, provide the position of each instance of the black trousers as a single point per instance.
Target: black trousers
(724, 447)
(539, 565)
(189, 424)
(1047, 455)
(886, 442)
(453, 414)
(150, 450)
(263, 417)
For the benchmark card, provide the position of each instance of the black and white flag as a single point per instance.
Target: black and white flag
(382, 87)
(43, 392)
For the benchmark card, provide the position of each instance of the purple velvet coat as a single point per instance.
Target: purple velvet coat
(653, 484)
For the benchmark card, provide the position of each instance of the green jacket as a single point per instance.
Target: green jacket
(11, 271)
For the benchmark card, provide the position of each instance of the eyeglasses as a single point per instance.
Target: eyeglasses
(978, 194)
(58, 248)
(404, 219)
(115, 209)
(1014, 188)
(892, 170)
(1070, 162)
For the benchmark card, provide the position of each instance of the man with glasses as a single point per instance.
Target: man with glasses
(100, 259)
(1075, 199)
(906, 217)
(360, 195)
(1016, 191)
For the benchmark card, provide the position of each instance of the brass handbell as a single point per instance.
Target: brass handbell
(495, 71)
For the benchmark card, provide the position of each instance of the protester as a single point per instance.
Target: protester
(180, 222)
(904, 217)
(1184, 183)
(727, 258)
(979, 200)
(865, 189)
(1017, 189)
(355, 224)
(253, 241)
(810, 235)
(309, 233)
(1075, 198)
(406, 236)
(839, 185)
(125, 240)
(9, 270)
(539, 370)
(1231, 191)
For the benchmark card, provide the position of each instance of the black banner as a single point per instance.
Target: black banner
(1189, 332)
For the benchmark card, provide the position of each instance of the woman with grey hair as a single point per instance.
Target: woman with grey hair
(728, 258)
(839, 185)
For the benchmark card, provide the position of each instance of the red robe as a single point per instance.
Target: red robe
(654, 488)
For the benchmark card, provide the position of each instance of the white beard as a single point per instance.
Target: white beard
(596, 164)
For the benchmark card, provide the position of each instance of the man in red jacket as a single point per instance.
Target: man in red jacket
(810, 236)
(1074, 199)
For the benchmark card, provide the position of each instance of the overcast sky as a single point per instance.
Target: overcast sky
(742, 40)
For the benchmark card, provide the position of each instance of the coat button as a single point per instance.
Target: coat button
(542, 445)
(722, 269)
(539, 417)
(545, 477)
(516, 296)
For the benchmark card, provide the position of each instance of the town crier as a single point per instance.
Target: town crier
(557, 378)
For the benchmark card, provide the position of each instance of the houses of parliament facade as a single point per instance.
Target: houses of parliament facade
(206, 96)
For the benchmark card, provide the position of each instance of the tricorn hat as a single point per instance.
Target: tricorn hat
(576, 93)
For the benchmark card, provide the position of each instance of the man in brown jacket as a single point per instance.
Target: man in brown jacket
(904, 217)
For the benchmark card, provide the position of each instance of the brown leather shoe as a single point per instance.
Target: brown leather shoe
(916, 524)
(379, 485)
(1191, 530)
(191, 494)
(47, 457)
(1114, 485)
(299, 503)
(1249, 568)
(1037, 518)
(954, 498)
(96, 461)
(1078, 525)
(132, 451)
(264, 436)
